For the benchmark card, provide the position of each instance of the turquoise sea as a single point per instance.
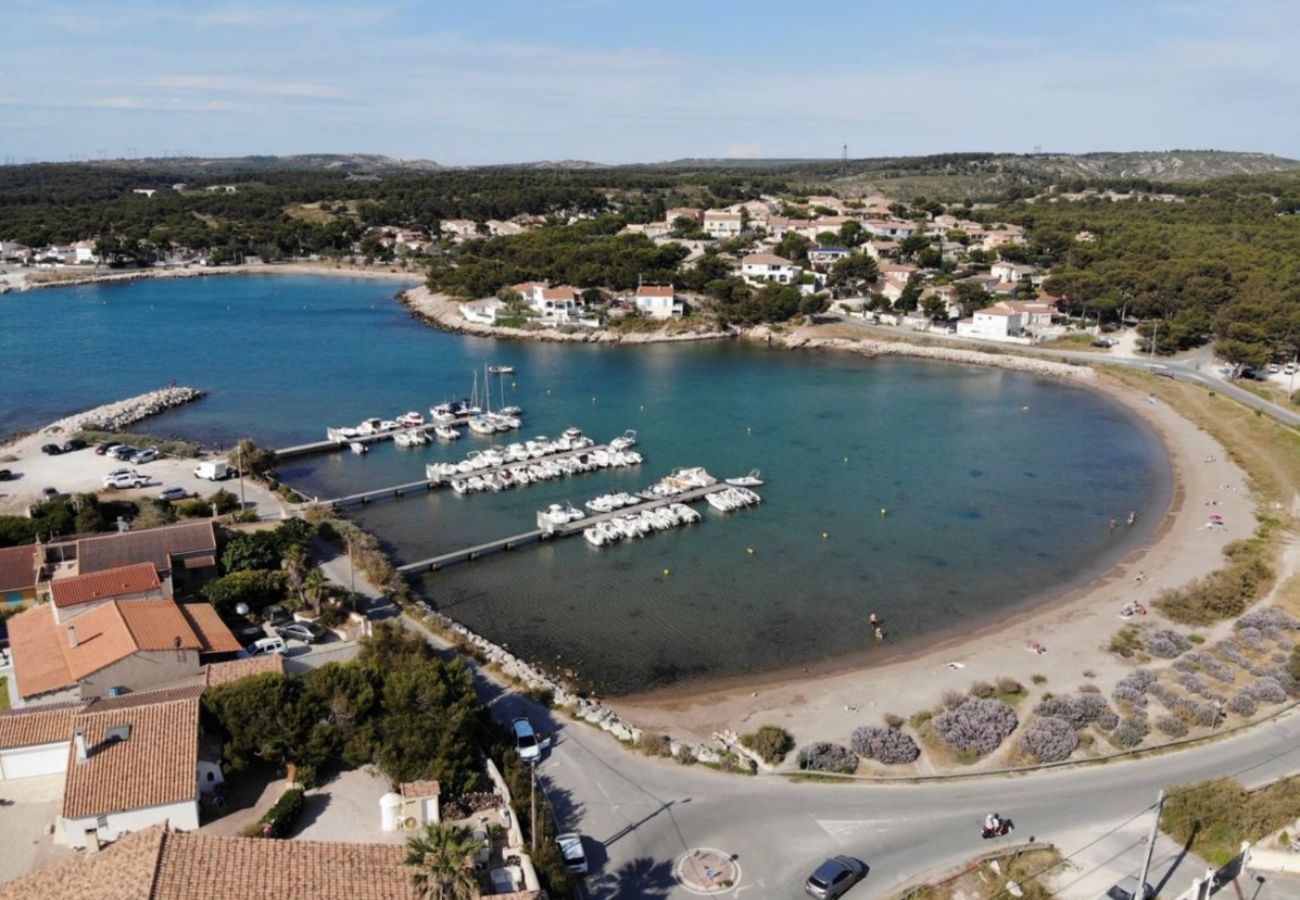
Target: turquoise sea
(997, 487)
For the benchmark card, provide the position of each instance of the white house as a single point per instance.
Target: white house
(145, 192)
(996, 323)
(761, 268)
(134, 763)
(83, 253)
(499, 227)
(658, 301)
(483, 312)
(889, 228)
(458, 229)
(825, 256)
(559, 304)
(1036, 316)
(34, 740)
(1008, 271)
(722, 224)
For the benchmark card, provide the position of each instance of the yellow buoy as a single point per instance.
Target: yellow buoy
(667, 572)
(883, 511)
(825, 535)
(749, 550)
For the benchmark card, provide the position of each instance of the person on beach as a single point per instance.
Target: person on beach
(1113, 523)
(873, 620)
(1132, 517)
(880, 633)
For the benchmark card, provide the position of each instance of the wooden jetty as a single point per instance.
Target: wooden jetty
(400, 490)
(467, 554)
(327, 446)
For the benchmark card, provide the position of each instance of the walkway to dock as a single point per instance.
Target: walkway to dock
(467, 554)
(428, 484)
(327, 446)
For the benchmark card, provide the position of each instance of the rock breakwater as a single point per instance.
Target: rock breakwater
(121, 413)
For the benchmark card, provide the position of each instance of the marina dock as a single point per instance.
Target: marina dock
(468, 554)
(425, 485)
(328, 446)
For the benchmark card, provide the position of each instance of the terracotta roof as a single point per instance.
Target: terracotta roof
(154, 765)
(124, 871)
(765, 259)
(206, 867)
(18, 568)
(155, 545)
(139, 578)
(213, 635)
(413, 789)
(558, 293)
(994, 311)
(39, 666)
(655, 290)
(217, 674)
(37, 724)
(45, 659)
(720, 214)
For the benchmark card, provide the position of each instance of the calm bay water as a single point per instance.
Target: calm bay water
(997, 486)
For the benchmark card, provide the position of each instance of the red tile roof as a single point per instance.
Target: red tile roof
(155, 545)
(18, 568)
(217, 674)
(655, 290)
(156, 764)
(765, 259)
(213, 635)
(46, 724)
(140, 578)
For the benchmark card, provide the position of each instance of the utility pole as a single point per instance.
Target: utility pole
(239, 461)
(532, 802)
(1151, 847)
(1155, 331)
(352, 568)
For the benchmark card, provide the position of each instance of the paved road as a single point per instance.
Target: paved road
(1197, 366)
(645, 813)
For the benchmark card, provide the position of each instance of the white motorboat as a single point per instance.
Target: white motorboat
(624, 442)
(753, 479)
(442, 414)
(556, 515)
(358, 448)
(720, 501)
(595, 536)
(511, 411)
(501, 370)
(404, 439)
(410, 419)
(387, 425)
(459, 485)
(446, 433)
(476, 483)
(748, 497)
(482, 425)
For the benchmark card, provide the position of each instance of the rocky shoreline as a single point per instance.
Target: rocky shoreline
(121, 413)
(1030, 364)
(443, 312)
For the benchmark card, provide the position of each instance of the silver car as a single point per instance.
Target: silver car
(834, 877)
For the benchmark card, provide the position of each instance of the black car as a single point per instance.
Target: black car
(49, 493)
(51, 449)
(122, 452)
(6, 475)
(74, 444)
(106, 447)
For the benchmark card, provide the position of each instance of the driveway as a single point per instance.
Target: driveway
(28, 806)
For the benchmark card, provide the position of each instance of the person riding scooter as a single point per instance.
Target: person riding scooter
(996, 826)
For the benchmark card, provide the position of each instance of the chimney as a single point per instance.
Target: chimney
(79, 741)
(72, 636)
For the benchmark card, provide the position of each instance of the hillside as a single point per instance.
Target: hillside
(196, 166)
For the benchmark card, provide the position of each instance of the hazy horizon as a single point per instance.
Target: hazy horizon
(510, 82)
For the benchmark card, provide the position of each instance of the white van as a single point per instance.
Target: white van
(265, 646)
(213, 470)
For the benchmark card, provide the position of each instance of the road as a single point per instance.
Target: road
(1197, 366)
(643, 814)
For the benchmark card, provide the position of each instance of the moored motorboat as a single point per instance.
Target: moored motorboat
(753, 479)
(446, 433)
(357, 447)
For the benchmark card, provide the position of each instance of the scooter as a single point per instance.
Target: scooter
(1004, 827)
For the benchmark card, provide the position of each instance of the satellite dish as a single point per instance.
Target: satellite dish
(241, 609)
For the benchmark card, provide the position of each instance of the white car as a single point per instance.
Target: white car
(575, 859)
(123, 480)
(526, 742)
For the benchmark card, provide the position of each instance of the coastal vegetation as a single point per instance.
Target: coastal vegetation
(770, 742)
(1213, 818)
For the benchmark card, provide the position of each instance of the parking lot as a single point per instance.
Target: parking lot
(82, 471)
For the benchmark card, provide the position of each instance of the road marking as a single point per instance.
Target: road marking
(847, 828)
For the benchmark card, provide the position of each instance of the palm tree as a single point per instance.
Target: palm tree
(313, 588)
(442, 858)
(293, 562)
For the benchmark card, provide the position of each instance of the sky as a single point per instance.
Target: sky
(467, 82)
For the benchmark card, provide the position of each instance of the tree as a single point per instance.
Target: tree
(935, 307)
(854, 271)
(294, 563)
(256, 461)
(443, 862)
(256, 588)
(852, 233)
(972, 296)
(911, 295)
(313, 589)
(262, 720)
(247, 550)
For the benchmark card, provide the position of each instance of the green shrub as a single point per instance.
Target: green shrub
(652, 744)
(1225, 593)
(1216, 816)
(1127, 642)
(770, 742)
(894, 721)
(278, 821)
(258, 588)
(982, 689)
(921, 719)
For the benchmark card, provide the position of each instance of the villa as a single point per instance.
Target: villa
(658, 301)
(825, 256)
(762, 268)
(722, 224)
(996, 323)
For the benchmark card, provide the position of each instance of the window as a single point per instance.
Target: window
(101, 822)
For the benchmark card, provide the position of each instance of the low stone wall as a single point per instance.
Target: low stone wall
(118, 415)
(1032, 365)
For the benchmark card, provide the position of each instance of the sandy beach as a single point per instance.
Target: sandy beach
(1074, 628)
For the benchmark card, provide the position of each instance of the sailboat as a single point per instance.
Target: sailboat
(481, 423)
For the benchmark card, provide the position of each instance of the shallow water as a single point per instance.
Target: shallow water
(997, 486)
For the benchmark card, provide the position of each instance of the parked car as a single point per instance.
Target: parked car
(173, 493)
(307, 632)
(124, 480)
(835, 876)
(6, 475)
(74, 444)
(122, 452)
(212, 470)
(51, 449)
(149, 454)
(266, 646)
(530, 749)
(1127, 890)
(575, 859)
(49, 493)
(106, 447)
(275, 615)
